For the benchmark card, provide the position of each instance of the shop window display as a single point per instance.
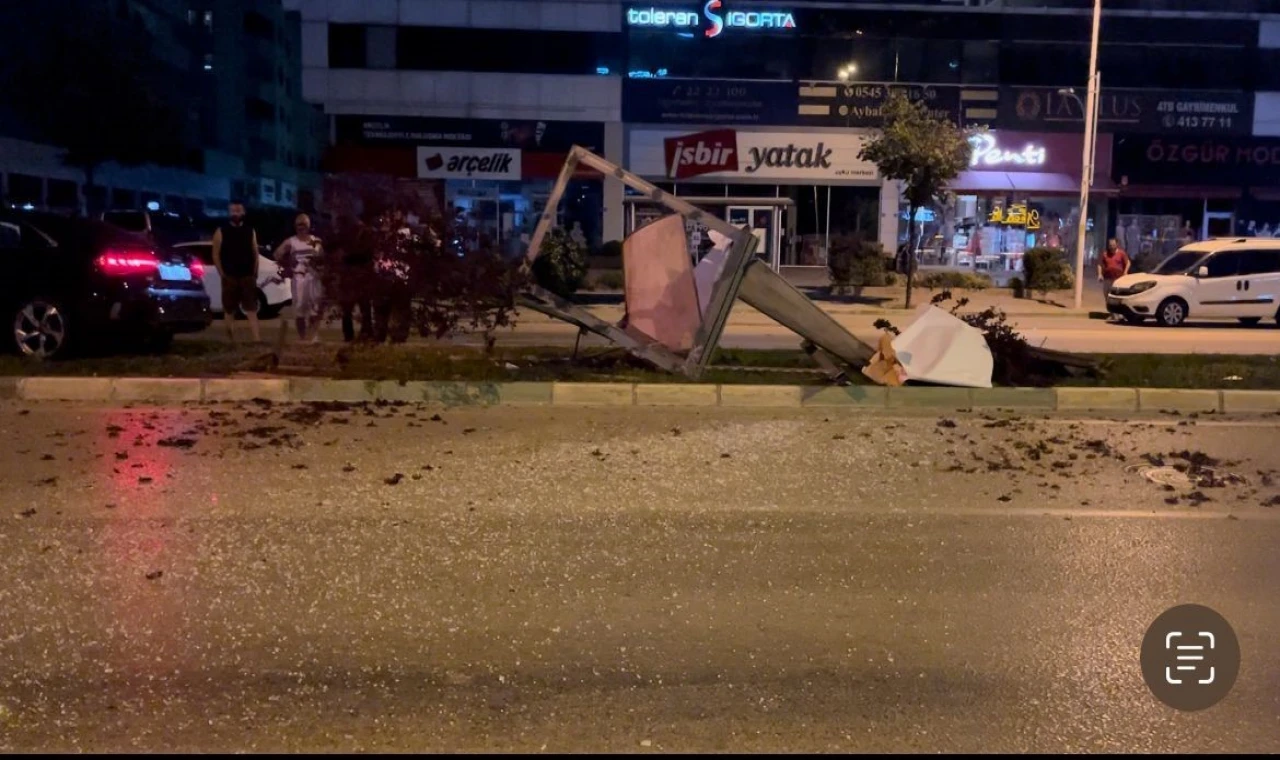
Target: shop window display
(504, 214)
(990, 233)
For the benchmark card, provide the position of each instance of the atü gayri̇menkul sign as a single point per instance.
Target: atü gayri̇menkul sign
(713, 20)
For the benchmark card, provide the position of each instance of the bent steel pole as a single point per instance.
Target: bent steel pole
(1086, 157)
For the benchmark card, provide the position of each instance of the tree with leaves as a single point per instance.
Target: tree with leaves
(924, 153)
(88, 81)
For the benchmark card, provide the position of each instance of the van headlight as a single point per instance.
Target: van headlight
(1142, 287)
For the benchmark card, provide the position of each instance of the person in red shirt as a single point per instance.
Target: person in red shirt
(1113, 265)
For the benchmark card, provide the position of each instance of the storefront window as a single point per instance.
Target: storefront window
(991, 232)
(505, 214)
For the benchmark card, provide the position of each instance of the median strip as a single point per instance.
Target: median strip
(596, 394)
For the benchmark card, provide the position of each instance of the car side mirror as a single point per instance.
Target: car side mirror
(1202, 272)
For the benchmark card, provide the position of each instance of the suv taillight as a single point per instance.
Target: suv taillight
(126, 263)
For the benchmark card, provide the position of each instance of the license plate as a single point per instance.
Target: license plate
(175, 273)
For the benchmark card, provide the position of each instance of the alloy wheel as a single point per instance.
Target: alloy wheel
(39, 329)
(1172, 313)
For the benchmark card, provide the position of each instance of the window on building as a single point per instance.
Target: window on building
(380, 47)
(208, 20)
(208, 61)
(980, 62)
(95, 197)
(347, 46)
(63, 194)
(24, 188)
(514, 50)
(258, 109)
(754, 56)
(1265, 70)
(122, 198)
(258, 25)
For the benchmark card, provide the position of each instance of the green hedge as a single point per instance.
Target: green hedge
(1046, 269)
(953, 281)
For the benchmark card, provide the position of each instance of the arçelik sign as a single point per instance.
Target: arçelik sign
(717, 19)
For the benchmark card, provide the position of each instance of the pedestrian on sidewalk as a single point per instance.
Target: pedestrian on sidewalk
(235, 256)
(301, 256)
(392, 268)
(355, 280)
(1113, 265)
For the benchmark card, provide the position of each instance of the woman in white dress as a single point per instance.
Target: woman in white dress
(308, 288)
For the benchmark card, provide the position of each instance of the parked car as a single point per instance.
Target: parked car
(274, 289)
(1223, 278)
(163, 227)
(69, 280)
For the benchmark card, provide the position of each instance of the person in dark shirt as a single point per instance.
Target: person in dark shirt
(355, 278)
(235, 254)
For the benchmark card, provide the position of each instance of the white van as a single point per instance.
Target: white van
(1223, 278)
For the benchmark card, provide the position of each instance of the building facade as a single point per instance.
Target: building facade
(789, 90)
(232, 68)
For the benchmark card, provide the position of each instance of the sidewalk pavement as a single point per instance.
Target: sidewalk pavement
(890, 301)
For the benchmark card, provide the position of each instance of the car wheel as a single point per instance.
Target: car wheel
(40, 329)
(1172, 312)
(1250, 321)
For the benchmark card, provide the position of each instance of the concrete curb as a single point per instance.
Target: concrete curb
(186, 390)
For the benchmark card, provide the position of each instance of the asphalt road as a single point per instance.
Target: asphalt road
(247, 577)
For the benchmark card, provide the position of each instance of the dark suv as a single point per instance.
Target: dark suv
(67, 280)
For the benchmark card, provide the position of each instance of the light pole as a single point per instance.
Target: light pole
(1087, 151)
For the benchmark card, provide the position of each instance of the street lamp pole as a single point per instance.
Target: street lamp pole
(1087, 150)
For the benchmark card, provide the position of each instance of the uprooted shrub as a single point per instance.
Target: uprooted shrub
(1015, 362)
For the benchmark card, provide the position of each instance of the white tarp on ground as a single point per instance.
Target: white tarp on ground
(940, 348)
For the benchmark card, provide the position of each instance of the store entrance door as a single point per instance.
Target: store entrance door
(765, 223)
(1219, 224)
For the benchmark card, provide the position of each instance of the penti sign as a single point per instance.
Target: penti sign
(713, 15)
(988, 153)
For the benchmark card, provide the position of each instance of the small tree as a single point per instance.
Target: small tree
(562, 265)
(922, 152)
(855, 263)
(386, 235)
(1046, 269)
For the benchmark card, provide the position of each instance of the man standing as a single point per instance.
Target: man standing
(235, 254)
(1113, 265)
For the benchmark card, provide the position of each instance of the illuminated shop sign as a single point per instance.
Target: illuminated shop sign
(1017, 215)
(716, 18)
(988, 152)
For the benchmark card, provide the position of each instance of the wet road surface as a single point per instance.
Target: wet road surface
(289, 578)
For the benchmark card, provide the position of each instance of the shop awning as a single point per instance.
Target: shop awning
(1025, 182)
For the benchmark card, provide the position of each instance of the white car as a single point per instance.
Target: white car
(1223, 278)
(274, 289)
